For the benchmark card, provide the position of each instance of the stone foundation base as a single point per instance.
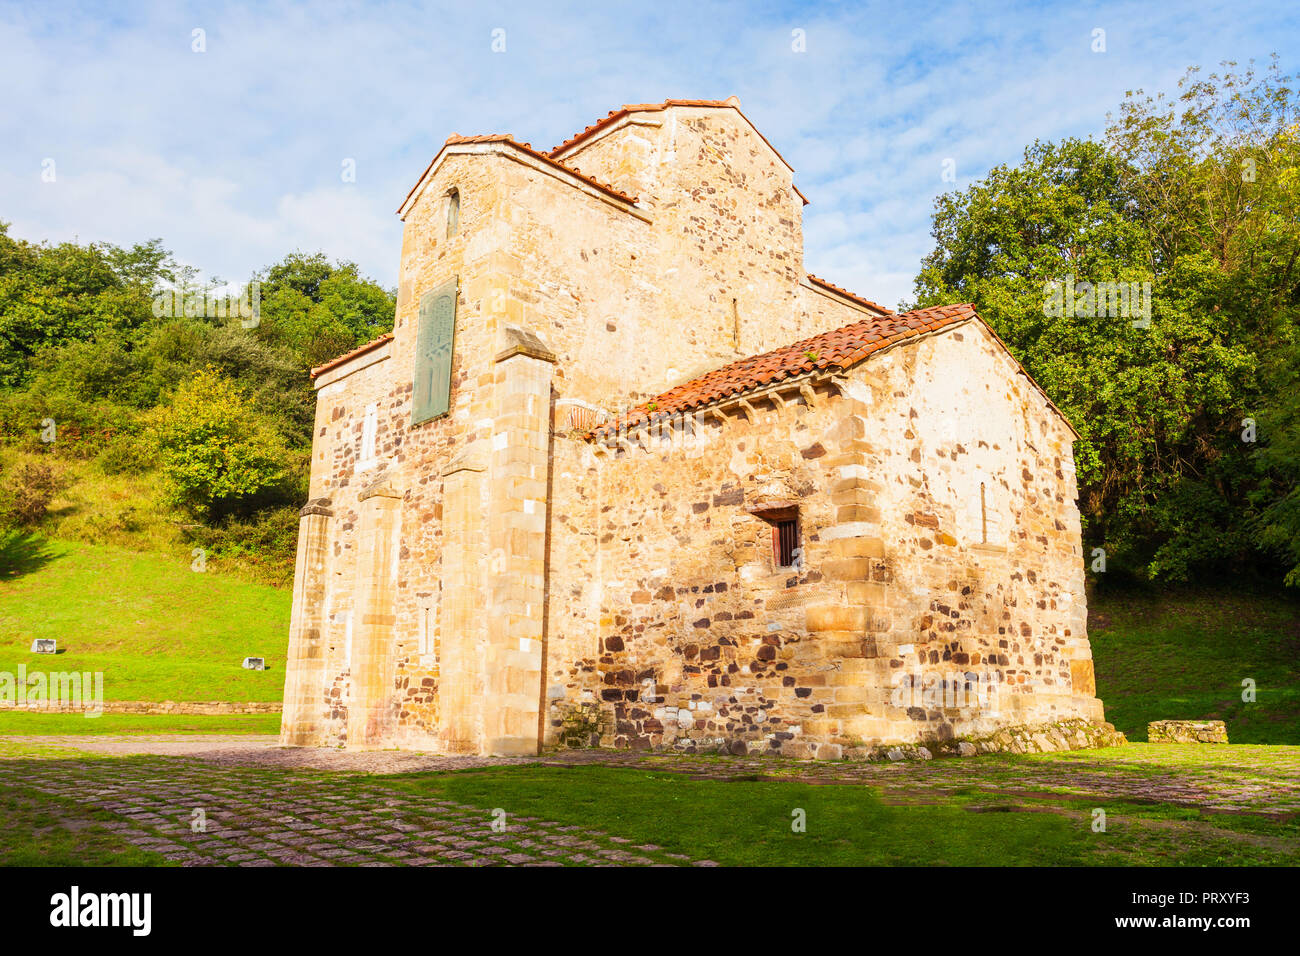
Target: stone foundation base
(1070, 734)
(1073, 733)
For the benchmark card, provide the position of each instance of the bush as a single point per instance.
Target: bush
(26, 494)
(264, 545)
(125, 454)
(219, 455)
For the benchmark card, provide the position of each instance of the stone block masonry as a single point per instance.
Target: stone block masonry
(628, 529)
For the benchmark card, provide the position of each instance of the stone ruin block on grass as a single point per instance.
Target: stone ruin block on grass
(1187, 732)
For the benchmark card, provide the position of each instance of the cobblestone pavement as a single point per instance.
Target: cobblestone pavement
(256, 750)
(1241, 779)
(268, 820)
(322, 815)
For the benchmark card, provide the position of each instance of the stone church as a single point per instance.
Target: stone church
(624, 474)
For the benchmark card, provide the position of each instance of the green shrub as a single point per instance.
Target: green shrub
(218, 453)
(264, 544)
(125, 454)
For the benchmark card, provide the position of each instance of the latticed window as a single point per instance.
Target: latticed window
(984, 516)
(369, 431)
(785, 541)
(427, 642)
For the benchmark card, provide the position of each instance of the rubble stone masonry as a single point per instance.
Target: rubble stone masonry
(498, 579)
(916, 615)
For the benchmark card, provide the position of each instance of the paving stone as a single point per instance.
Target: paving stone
(299, 825)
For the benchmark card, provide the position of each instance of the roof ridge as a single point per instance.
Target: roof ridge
(346, 356)
(613, 116)
(628, 108)
(847, 294)
(455, 139)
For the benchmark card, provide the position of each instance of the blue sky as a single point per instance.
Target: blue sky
(233, 156)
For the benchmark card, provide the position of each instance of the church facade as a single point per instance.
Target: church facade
(623, 474)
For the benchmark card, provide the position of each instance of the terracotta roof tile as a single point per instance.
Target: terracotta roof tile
(506, 138)
(837, 349)
(348, 356)
(847, 294)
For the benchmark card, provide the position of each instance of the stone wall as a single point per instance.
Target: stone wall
(489, 576)
(673, 618)
(1187, 732)
(724, 260)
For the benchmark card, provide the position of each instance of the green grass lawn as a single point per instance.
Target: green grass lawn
(749, 822)
(23, 724)
(40, 830)
(156, 629)
(1166, 655)
(1000, 810)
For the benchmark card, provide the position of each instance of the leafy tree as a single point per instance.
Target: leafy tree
(223, 411)
(319, 310)
(218, 454)
(52, 295)
(1167, 483)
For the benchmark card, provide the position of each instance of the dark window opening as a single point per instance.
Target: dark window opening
(453, 212)
(783, 517)
(785, 541)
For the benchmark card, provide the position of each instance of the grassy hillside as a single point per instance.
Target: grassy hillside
(158, 630)
(1165, 655)
(123, 509)
(128, 510)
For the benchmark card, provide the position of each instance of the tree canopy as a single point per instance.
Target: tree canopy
(133, 363)
(1187, 411)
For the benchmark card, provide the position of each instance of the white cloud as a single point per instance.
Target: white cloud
(232, 156)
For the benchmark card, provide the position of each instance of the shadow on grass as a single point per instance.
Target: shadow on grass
(22, 552)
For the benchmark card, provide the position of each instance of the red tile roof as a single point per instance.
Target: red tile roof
(348, 356)
(817, 280)
(506, 138)
(837, 349)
